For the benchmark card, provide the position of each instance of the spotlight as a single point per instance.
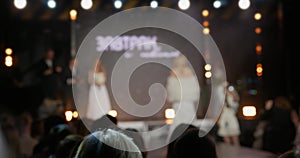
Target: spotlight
(217, 4)
(205, 13)
(206, 31)
(20, 4)
(244, 4)
(86, 4)
(118, 4)
(208, 74)
(113, 113)
(257, 16)
(8, 61)
(169, 113)
(184, 4)
(249, 111)
(69, 115)
(207, 67)
(154, 4)
(51, 4)
(8, 51)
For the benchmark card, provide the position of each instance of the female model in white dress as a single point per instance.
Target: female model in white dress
(183, 92)
(99, 102)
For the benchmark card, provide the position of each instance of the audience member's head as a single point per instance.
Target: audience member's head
(68, 146)
(282, 103)
(51, 121)
(48, 144)
(137, 139)
(178, 132)
(106, 121)
(191, 145)
(108, 143)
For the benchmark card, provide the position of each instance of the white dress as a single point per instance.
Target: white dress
(228, 123)
(99, 102)
(183, 92)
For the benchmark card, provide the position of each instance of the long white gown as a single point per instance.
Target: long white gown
(99, 102)
(183, 92)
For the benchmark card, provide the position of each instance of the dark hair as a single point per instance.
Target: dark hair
(107, 143)
(191, 144)
(106, 121)
(68, 146)
(176, 134)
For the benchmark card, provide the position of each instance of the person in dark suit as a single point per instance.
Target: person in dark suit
(49, 71)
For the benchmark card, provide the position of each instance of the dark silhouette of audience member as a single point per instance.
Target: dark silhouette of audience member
(191, 145)
(11, 134)
(27, 143)
(279, 131)
(108, 143)
(68, 146)
(179, 130)
(106, 121)
(137, 139)
(48, 144)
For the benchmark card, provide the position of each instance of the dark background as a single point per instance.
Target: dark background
(30, 31)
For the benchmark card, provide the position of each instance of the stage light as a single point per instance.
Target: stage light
(8, 51)
(51, 4)
(249, 111)
(231, 88)
(73, 14)
(206, 31)
(8, 61)
(205, 13)
(169, 113)
(154, 4)
(118, 4)
(258, 49)
(20, 4)
(69, 115)
(75, 114)
(208, 74)
(257, 16)
(207, 67)
(184, 4)
(244, 4)
(258, 30)
(86, 4)
(113, 113)
(205, 23)
(217, 4)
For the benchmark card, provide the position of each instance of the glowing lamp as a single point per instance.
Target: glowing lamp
(249, 111)
(113, 113)
(169, 113)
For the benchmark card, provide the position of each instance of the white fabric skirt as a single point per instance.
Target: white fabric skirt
(99, 102)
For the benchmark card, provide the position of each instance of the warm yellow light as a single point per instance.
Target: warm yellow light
(249, 111)
(259, 70)
(169, 113)
(75, 114)
(257, 16)
(207, 67)
(258, 49)
(258, 30)
(259, 65)
(205, 13)
(8, 61)
(73, 14)
(259, 74)
(69, 115)
(8, 51)
(169, 121)
(205, 23)
(113, 113)
(206, 31)
(208, 74)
